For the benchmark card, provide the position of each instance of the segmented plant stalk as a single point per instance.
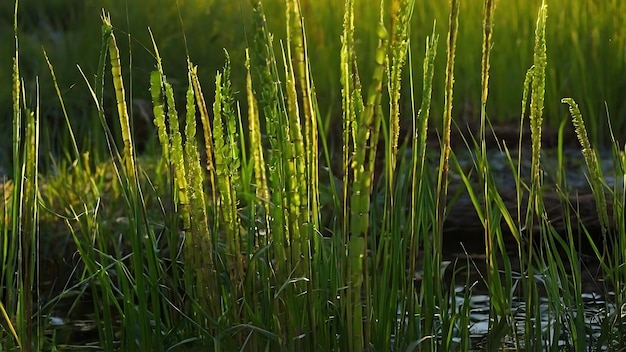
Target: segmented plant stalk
(348, 76)
(400, 24)
(227, 172)
(158, 109)
(298, 81)
(271, 100)
(141, 235)
(365, 130)
(120, 97)
(177, 162)
(294, 158)
(258, 160)
(309, 101)
(306, 148)
(203, 264)
(260, 207)
(156, 91)
(208, 140)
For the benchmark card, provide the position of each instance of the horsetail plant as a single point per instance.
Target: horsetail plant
(227, 175)
(309, 104)
(120, 97)
(141, 235)
(309, 186)
(398, 47)
(258, 160)
(293, 148)
(156, 92)
(364, 130)
(200, 246)
(264, 61)
(261, 212)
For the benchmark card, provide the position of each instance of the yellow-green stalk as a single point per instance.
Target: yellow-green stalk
(203, 263)
(294, 161)
(208, 136)
(302, 74)
(227, 172)
(140, 233)
(260, 175)
(400, 24)
(158, 109)
(348, 75)
(365, 132)
(120, 97)
(419, 184)
(262, 57)
(591, 160)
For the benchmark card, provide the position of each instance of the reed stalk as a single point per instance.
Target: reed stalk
(535, 208)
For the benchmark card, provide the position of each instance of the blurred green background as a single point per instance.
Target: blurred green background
(586, 56)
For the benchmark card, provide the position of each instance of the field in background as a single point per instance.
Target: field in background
(586, 40)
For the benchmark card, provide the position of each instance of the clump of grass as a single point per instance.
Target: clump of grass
(19, 282)
(223, 247)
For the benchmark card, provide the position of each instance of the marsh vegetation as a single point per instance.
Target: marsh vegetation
(322, 194)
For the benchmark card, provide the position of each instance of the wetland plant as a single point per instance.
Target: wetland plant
(223, 241)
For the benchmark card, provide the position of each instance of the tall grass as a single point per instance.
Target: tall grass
(19, 282)
(222, 242)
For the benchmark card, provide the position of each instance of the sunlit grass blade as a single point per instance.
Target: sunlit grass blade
(421, 189)
(76, 155)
